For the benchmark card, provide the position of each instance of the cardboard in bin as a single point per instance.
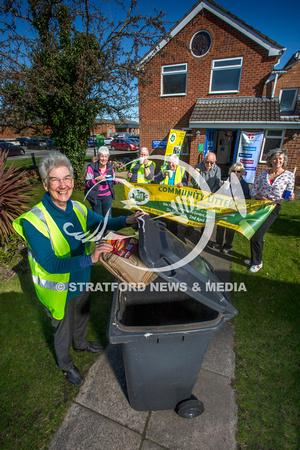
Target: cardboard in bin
(158, 248)
(124, 264)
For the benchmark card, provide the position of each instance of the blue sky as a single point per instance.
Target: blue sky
(279, 20)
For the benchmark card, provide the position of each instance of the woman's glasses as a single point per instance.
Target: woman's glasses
(57, 181)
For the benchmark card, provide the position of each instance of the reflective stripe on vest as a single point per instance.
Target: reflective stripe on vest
(51, 289)
(141, 172)
(178, 176)
(50, 284)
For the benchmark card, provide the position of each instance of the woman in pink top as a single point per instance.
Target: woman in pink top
(100, 178)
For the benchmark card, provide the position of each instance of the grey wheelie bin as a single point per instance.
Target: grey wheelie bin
(165, 328)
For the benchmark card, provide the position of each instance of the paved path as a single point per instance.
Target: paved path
(100, 417)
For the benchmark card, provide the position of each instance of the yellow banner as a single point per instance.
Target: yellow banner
(196, 208)
(175, 142)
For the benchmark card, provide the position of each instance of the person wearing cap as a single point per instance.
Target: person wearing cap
(100, 180)
(173, 174)
(142, 170)
(209, 171)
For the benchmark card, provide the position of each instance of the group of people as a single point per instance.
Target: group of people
(59, 259)
(269, 185)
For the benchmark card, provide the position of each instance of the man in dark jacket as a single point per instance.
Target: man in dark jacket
(209, 171)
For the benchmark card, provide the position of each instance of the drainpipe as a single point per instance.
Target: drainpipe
(274, 86)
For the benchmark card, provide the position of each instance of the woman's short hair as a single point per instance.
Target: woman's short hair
(53, 159)
(144, 148)
(275, 151)
(174, 159)
(103, 150)
(239, 166)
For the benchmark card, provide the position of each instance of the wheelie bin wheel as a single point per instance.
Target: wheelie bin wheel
(189, 409)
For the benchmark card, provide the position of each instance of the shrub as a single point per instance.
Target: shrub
(13, 199)
(119, 166)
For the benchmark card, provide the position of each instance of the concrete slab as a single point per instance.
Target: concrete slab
(102, 418)
(213, 430)
(104, 391)
(149, 445)
(84, 429)
(220, 357)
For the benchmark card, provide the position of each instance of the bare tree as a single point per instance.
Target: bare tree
(66, 62)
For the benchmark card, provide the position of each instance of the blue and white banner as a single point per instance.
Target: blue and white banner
(159, 144)
(248, 153)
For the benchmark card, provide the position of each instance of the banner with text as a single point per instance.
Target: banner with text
(248, 154)
(175, 142)
(196, 208)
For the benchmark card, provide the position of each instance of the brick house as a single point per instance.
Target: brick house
(109, 127)
(214, 78)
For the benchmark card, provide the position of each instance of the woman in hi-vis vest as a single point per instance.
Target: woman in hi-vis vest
(172, 174)
(142, 169)
(60, 260)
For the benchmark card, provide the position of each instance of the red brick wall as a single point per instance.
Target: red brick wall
(292, 145)
(291, 79)
(159, 114)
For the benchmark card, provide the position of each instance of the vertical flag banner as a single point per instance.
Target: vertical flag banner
(248, 153)
(175, 141)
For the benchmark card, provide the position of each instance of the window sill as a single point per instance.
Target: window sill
(172, 95)
(223, 92)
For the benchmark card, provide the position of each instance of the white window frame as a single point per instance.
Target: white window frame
(173, 72)
(200, 31)
(216, 69)
(294, 101)
(280, 135)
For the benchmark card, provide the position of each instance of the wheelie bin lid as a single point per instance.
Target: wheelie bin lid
(164, 253)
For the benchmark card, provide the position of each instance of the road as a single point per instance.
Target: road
(90, 152)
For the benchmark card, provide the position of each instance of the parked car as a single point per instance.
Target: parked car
(92, 142)
(37, 143)
(50, 143)
(42, 143)
(23, 141)
(13, 141)
(107, 140)
(123, 144)
(134, 140)
(13, 150)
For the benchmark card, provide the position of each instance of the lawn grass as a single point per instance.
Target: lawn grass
(35, 396)
(267, 337)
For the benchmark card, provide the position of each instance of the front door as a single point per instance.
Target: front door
(224, 147)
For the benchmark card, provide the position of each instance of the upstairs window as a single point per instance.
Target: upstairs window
(174, 79)
(226, 75)
(288, 99)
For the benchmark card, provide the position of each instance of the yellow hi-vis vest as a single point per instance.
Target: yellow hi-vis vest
(141, 172)
(179, 172)
(51, 289)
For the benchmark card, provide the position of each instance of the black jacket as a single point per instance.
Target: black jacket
(93, 193)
